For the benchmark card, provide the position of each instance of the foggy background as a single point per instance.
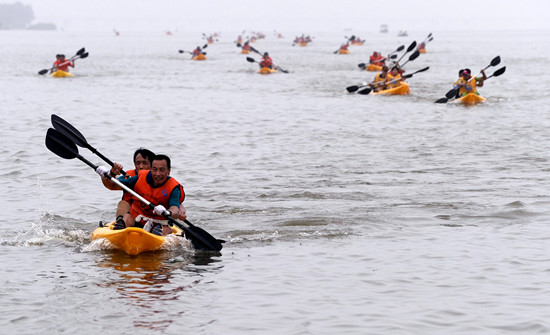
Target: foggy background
(290, 15)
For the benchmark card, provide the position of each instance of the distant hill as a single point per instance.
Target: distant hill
(19, 16)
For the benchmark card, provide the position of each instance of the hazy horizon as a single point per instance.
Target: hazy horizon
(287, 15)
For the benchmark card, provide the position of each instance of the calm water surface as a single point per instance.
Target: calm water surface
(343, 214)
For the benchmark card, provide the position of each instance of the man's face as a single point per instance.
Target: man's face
(160, 171)
(142, 163)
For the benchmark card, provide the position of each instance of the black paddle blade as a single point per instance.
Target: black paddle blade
(352, 89)
(81, 51)
(495, 61)
(60, 144)
(84, 55)
(250, 59)
(43, 72)
(499, 72)
(407, 76)
(360, 65)
(181, 51)
(394, 56)
(239, 45)
(365, 91)
(400, 48)
(202, 240)
(205, 46)
(414, 55)
(442, 101)
(452, 93)
(69, 131)
(412, 46)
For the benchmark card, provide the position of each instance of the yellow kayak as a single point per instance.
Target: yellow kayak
(244, 51)
(343, 52)
(399, 90)
(199, 57)
(357, 43)
(422, 51)
(266, 70)
(61, 74)
(373, 68)
(131, 240)
(302, 44)
(470, 99)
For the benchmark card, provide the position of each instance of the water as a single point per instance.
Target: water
(343, 213)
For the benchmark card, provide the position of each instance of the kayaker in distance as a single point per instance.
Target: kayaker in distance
(196, 52)
(156, 186)
(142, 161)
(468, 84)
(379, 82)
(377, 59)
(266, 61)
(61, 64)
(246, 46)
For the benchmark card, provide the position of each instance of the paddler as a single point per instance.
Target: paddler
(468, 84)
(156, 186)
(266, 61)
(196, 52)
(377, 59)
(394, 78)
(142, 161)
(61, 64)
(246, 46)
(379, 82)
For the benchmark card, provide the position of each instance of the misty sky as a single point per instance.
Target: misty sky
(290, 15)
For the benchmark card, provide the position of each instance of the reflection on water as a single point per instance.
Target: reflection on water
(146, 282)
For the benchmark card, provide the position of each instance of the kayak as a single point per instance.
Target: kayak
(373, 68)
(244, 51)
(357, 43)
(61, 74)
(199, 57)
(343, 52)
(302, 44)
(266, 70)
(470, 99)
(399, 90)
(422, 51)
(131, 240)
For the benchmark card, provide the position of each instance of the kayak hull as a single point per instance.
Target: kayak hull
(302, 44)
(266, 70)
(131, 240)
(199, 57)
(422, 51)
(357, 43)
(399, 90)
(373, 68)
(470, 99)
(243, 51)
(61, 74)
(343, 52)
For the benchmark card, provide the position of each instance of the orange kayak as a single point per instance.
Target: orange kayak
(373, 68)
(199, 57)
(302, 44)
(343, 52)
(399, 90)
(244, 51)
(266, 70)
(470, 99)
(357, 43)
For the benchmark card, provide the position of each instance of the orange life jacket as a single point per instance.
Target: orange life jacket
(62, 65)
(156, 195)
(125, 195)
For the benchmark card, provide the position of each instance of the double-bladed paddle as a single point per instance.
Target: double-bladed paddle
(409, 49)
(252, 60)
(79, 54)
(64, 147)
(203, 47)
(363, 66)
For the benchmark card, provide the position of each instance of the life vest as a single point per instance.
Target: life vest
(266, 62)
(344, 47)
(468, 87)
(156, 195)
(376, 60)
(379, 80)
(196, 52)
(125, 195)
(62, 65)
(393, 81)
(246, 46)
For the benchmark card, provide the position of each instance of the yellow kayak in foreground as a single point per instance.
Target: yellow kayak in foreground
(399, 90)
(61, 74)
(266, 70)
(131, 240)
(470, 99)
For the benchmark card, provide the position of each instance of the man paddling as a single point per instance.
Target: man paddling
(61, 64)
(379, 82)
(468, 84)
(156, 186)
(142, 161)
(266, 61)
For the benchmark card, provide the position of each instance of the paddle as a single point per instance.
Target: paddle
(452, 93)
(368, 90)
(252, 60)
(79, 54)
(412, 57)
(409, 49)
(75, 136)
(64, 147)
(415, 72)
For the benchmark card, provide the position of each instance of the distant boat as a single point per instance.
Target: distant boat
(402, 33)
(384, 28)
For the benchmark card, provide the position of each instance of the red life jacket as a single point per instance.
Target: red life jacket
(63, 66)
(156, 195)
(266, 62)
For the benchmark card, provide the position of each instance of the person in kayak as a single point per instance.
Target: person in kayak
(196, 52)
(344, 46)
(246, 46)
(379, 82)
(394, 78)
(468, 84)
(142, 161)
(377, 59)
(156, 186)
(266, 61)
(61, 64)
